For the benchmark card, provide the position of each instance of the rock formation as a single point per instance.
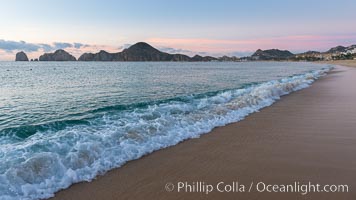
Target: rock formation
(271, 54)
(139, 52)
(59, 55)
(21, 56)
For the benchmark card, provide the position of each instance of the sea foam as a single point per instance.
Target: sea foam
(50, 160)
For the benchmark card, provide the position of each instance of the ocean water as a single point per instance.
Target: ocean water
(66, 122)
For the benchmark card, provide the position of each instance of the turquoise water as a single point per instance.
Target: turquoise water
(64, 122)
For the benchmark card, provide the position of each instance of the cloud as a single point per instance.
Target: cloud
(10, 46)
(177, 51)
(21, 45)
(78, 45)
(240, 53)
(62, 45)
(125, 46)
(44, 47)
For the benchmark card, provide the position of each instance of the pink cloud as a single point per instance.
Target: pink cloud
(5, 55)
(293, 43)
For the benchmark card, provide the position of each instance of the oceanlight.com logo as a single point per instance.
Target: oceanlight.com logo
(236, 187)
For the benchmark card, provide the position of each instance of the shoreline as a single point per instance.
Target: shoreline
(347, 63)
(314, 143)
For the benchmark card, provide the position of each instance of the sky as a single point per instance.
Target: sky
(221, 27)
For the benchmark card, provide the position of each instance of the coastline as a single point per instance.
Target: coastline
(348, 63)
(314, 143)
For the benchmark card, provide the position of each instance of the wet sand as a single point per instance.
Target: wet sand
(309, 135)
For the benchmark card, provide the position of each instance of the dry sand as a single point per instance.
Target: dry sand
(309, 135)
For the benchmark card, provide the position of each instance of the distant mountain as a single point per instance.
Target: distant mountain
(59, 55)
(309, 53)
(312, 52)
(335, 53)
(144, 52)
(140, 51)
(351, 49)
(21, 56)
(100, 56)
(228, 59)
(271, 54)
(198, 58)
(334, 50)
(337, 49)
(308, 56)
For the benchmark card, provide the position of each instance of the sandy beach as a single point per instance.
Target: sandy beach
(349, 63)
(307, 136)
